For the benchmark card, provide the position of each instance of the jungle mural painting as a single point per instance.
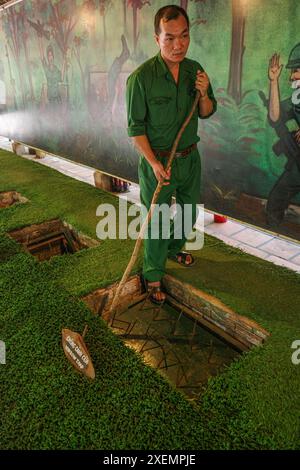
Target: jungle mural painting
(63, 71)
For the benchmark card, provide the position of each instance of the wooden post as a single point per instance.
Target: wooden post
(102, 181)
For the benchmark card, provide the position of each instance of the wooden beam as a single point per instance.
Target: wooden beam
(214, 313)
(100, 300)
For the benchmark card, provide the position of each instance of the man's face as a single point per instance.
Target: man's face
(295, 77)
(173, 40)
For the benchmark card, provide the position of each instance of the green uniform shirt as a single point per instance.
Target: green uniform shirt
(288, 111)
(157, 107)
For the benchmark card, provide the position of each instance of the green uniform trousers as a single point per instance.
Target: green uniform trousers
(185, 184)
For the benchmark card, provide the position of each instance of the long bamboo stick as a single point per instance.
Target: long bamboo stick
(150, 212)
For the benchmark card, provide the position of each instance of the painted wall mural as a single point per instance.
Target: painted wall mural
(63, 71)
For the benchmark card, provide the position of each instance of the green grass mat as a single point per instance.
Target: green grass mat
(253, 404)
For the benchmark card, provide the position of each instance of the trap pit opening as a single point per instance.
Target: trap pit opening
(189, 339)
(51, 238)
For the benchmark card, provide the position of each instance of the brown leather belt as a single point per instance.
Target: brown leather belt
(181, 154)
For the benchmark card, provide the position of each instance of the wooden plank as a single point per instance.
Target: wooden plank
(40, 232)
(34, 231)
(49, 237)
(212, 310)
(240, 345)
(100, 300)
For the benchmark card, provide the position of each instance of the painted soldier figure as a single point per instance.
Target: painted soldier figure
(280, 114)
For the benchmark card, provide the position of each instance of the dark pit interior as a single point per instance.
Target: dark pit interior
(51, 238)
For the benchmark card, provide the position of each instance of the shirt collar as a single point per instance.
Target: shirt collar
(162, 69)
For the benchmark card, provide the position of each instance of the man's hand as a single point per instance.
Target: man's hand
(274, 67)
(202, 83)
(160, 173)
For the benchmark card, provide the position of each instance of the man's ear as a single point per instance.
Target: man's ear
(156, 37)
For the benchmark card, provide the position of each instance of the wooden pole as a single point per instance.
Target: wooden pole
(150, 213)
(84, 331)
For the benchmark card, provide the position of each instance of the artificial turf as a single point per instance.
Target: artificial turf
(45, 404)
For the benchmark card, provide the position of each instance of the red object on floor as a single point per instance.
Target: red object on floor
(220, 219)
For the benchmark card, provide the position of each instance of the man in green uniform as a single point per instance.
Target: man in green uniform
(159, 96)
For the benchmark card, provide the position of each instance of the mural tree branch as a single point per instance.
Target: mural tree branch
(184, 3)
(11, 28)
(234, 88)
(63, 19)
(80, 41)
(125, 15)
(41, 33)
(88, 16)
(24, 13)
(136, 5)
(103, 8)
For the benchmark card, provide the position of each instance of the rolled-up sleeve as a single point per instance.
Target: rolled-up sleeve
(286, 113)
(211, 96)
(136, 106)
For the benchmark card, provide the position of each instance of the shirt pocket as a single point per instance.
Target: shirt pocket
(161, 111)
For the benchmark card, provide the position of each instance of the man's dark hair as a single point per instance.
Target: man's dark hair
(167, 13)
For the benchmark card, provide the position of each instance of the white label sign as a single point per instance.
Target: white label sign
(76, 351)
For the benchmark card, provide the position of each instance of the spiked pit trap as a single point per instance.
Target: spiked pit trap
(189, 339)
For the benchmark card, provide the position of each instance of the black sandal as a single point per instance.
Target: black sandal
(183, 255)
(152, 290)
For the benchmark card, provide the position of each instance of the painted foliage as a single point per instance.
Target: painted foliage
(63, 71)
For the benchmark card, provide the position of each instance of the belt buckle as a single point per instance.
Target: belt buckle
(184, 153)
